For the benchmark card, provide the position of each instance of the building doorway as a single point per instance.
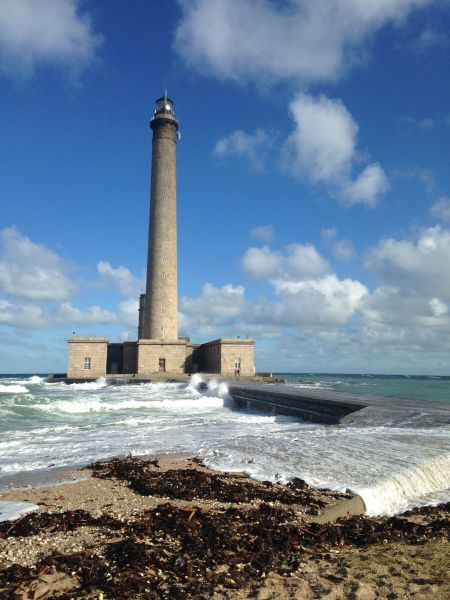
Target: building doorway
(162, 364)
(114, 359)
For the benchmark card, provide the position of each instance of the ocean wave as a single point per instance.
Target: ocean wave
(13, 389)
(94, 405)
(35, 379)
(419, 484)
(89, 385)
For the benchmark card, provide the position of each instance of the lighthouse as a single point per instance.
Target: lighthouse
(159, 306)
(158, 349)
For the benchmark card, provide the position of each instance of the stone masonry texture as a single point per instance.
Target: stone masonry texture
(80, 348)
(161, 306)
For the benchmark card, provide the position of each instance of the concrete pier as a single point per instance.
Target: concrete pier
(322, 406)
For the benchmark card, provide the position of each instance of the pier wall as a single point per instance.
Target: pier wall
(295, 404)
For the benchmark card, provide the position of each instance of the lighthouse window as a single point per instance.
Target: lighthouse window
(87, 363)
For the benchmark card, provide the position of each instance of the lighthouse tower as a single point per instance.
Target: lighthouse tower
(158, 348)
(159, 307)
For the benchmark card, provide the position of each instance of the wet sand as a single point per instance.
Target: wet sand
(170, 528)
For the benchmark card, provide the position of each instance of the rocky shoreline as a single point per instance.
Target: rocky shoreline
(169, 528)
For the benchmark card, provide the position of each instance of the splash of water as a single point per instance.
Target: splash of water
(410, 487)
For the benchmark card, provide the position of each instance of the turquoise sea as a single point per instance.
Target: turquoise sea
(415, 387)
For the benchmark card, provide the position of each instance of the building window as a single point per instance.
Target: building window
(87, 363)
(162, 364)
(237, 363)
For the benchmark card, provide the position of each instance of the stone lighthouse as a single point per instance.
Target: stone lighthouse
(159, 350)
(158, 318)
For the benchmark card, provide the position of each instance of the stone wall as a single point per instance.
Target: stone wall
(161, 304)
(151, 351)
(82, 348)
(237, 349)
(143, 357)
(220, 356)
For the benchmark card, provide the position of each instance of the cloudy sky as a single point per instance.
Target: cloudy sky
(313, 179)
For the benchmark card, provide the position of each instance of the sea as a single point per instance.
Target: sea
(393, 463)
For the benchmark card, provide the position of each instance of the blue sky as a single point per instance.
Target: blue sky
(313, 180)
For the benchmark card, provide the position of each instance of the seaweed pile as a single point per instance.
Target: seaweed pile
(189, 484)
(186, 551)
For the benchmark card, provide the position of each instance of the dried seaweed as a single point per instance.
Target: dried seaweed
(174, 552)
(33, 523)
(189, 484)
(184, 552)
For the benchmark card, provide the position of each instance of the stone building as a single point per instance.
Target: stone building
(159, 349)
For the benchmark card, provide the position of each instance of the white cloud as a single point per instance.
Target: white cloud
(263, 233)
(67, 313)
(324, 140)
(438, 308)
(27, 315)
(415, 290)
(35, 290)
(302, 261)
(29, 270)
(299, 261)
(302, 40)
(344, 250)
(251, 147)
(216, 306)
(422, 267)
(322, 149)
(261, 263)
(308, 294)
(367, 188)
(326, 300)
(120, 279)
(129, 312)
(22, 315)
(314, 316)
(37, 32)
(441, 209)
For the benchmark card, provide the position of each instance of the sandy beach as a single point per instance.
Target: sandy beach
(169, 528)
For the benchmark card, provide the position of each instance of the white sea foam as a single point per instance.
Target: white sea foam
(411, 487)
(95, 404)
(194, 382)
(13, 389)
(35, 379)
(89, 385)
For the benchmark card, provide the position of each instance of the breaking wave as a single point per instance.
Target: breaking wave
(13, 389)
